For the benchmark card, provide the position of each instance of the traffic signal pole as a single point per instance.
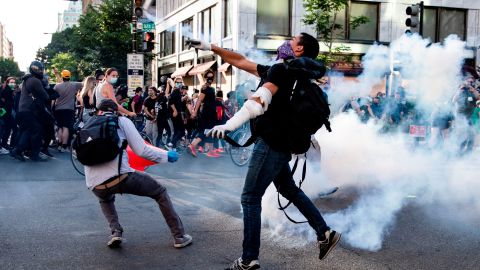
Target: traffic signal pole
(134, 34)
(421, 19)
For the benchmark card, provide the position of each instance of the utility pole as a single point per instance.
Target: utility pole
(134, 33)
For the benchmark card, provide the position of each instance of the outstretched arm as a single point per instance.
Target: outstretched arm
(236, 59)
(233, 58)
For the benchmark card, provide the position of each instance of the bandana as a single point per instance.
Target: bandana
(285, 51)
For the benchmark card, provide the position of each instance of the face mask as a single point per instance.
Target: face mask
(178, 84)
(210, 80)
(113, 80)
(285, 51)
(11, 85)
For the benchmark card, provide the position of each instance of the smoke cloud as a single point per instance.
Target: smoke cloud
(379, 174)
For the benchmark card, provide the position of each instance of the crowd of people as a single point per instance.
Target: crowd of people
(401, 113)
(45, 116)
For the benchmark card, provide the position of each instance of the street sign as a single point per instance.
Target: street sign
(148, 26)
(134, 72)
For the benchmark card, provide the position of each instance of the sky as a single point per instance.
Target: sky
(26, 21)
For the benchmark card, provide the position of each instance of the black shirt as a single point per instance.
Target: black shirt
(149, 103)
(176, 100)
(271, 125)
(6, 99)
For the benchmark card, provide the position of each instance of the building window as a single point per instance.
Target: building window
(187, 32)
(273, 17)
(206, 24)
(167, 42)
(364, 32)
(439, 23)
(228, 15)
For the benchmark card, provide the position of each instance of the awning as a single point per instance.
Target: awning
(181, 71)
(224, 67)
(201, 68)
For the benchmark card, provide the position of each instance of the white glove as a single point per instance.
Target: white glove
(198, 44)
(218, 131)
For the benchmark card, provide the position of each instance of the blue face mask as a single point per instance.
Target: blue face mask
(178, 84)
(113, 80)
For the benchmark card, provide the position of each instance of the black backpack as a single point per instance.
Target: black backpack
(309, 111)
(97, 142)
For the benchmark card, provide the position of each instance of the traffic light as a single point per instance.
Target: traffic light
(148, 41)
(138, 8)
(414, 21)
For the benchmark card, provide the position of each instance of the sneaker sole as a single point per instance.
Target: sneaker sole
(335, 240)
(184, 244)
(115, 242)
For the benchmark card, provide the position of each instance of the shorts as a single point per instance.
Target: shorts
(65, 118)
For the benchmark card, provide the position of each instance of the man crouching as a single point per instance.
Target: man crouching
(116, 176)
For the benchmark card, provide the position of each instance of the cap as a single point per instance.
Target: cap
(108, 105)
(65, 74)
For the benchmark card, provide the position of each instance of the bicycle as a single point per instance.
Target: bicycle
(240, 155)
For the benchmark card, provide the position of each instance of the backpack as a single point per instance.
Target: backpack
(97, 142)
(309, 111)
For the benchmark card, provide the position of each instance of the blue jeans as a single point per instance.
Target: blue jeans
(266, 166)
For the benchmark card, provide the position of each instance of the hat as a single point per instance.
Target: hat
(108, 105)
(65, 74)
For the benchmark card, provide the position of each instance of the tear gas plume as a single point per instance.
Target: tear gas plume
(383, 171)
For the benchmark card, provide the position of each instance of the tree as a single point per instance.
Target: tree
(101, 40)
(66, 61)
(323, 14)
(9, 68)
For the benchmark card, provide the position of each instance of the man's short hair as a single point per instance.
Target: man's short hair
(108, 105)
(138, 90)
(310, 45)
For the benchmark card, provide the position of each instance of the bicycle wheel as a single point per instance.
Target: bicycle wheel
(146, 138)
(76, 164)
(241, 155)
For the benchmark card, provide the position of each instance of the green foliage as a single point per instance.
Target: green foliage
(323, 15)
(65, 61)
(9, 68)
(101, 40)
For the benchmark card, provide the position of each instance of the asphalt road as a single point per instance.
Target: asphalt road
(49, 220)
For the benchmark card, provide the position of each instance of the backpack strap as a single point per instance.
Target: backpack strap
(123, 147)
(304, 171)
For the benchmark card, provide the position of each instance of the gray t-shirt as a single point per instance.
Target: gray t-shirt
(67, 91)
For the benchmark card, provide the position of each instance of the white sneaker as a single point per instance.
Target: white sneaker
(4, 151)
(183, 241)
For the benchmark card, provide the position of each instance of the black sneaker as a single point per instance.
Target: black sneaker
(328, 244)
(240, 265)
(115, 240)
(46, 152)
(16, 155)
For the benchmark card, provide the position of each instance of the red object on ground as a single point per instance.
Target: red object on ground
(137, 162)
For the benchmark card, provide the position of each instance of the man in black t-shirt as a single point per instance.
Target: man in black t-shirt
(271, 155)
(149, 110)
(175, 105)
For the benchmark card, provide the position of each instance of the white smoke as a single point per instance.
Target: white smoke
(381, 173)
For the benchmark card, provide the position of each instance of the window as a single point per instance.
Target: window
(273, 17)
(187, 32)
(227, 14)
(367, 31)
(167, 42)
(364, 32)
(206, 24)
(439, 23)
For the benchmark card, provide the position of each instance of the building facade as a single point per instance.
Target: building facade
(258, 27)
(86, 3)
(6, 46)
(70, 16)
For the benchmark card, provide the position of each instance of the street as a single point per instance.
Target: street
(49, 220)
